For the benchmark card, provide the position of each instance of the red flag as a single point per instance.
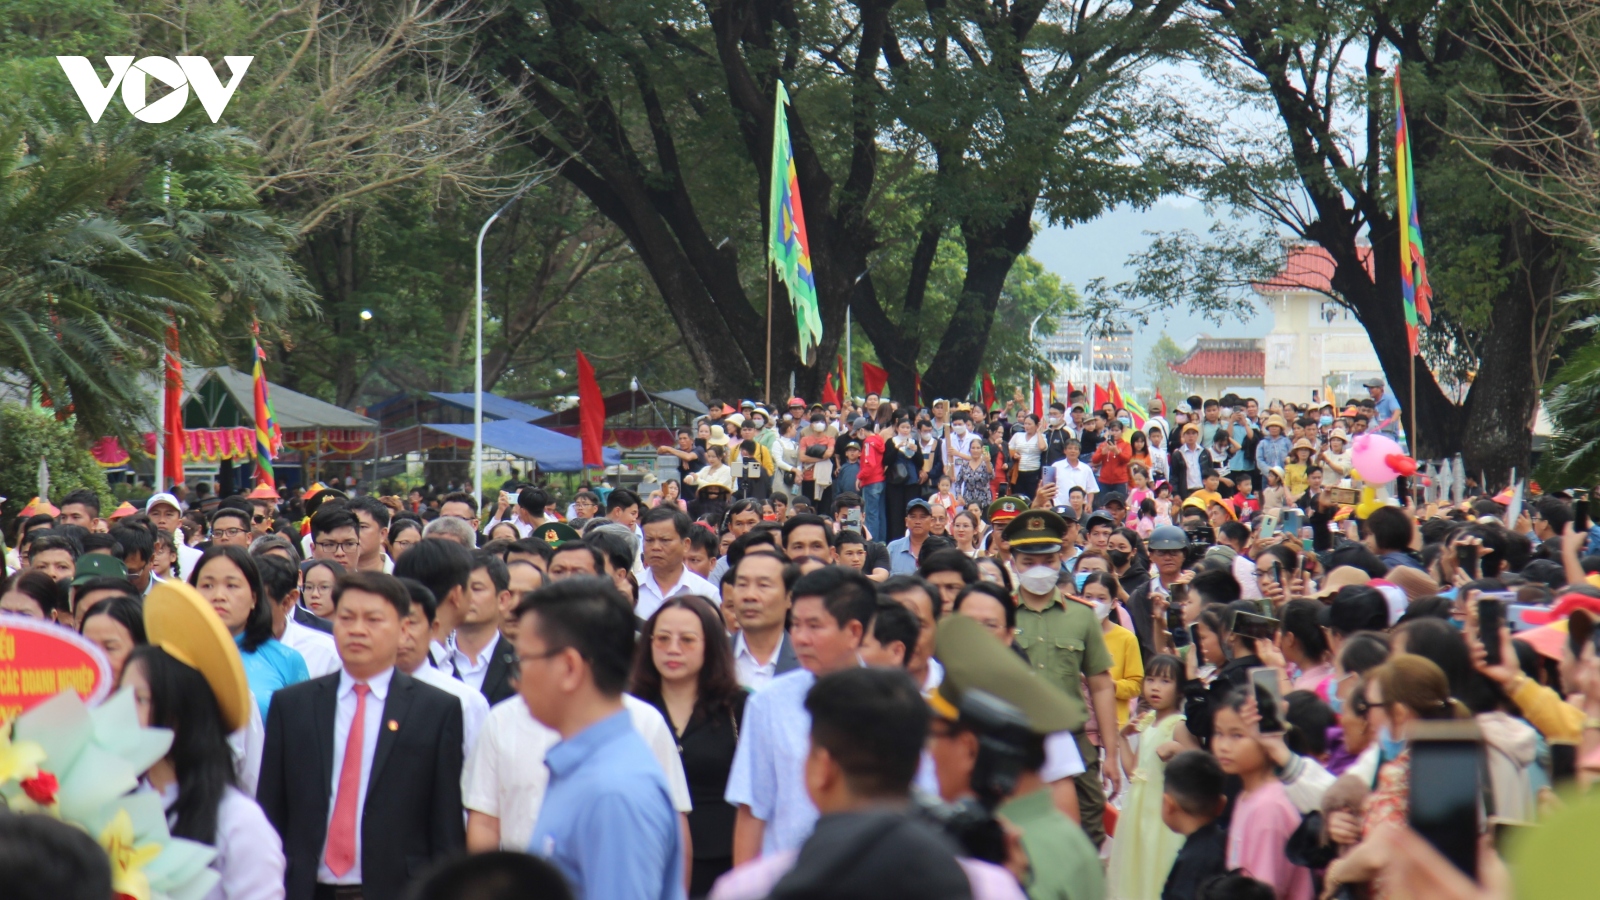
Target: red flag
(1116, 395)
(1038, 399)
(591, 413)
(988, 392)
(873, 379)
(843, 383)
(1070, 391)
(172, 428)
(1158, 406)
(1101, 398)
(828, 394)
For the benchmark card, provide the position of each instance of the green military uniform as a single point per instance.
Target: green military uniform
(1063, 862)
(1064, 644)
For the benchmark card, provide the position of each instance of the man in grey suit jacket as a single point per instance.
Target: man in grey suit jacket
(377, 747)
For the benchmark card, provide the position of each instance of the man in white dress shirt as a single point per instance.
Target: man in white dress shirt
(372, 520)
(1073, 472)
(762, 649)
(503, 783)
(416, 631)
(666, 542)
(279, 578)
(443, 566)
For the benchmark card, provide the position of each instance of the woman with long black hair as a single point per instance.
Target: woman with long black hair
(190, 681)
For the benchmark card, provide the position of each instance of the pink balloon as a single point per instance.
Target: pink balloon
(1369, 452)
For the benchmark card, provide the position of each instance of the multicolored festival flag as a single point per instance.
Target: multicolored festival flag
(268, 437)
(1413, 264)
(788, 248)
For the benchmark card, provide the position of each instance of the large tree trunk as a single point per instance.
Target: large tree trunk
(990, 255)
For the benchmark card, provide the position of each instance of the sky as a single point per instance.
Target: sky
(1100, 249)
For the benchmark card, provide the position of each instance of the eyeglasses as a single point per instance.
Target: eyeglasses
(228, 533)
(336, 546)
(258, 518)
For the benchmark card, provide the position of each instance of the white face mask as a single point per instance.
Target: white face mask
(819, 426)
(1039, 580)
(1102, 609)
(1055, 420)
(960, 430)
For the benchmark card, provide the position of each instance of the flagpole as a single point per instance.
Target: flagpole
(767, 382)
(1412, 403)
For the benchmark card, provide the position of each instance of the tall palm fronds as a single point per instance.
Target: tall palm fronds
(84, 304)
(109, 233)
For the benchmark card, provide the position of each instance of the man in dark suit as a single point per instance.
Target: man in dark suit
(378, 748)
(479, 655)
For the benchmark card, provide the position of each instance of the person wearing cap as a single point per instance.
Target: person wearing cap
(1063, 641)
(96, 577)
(386, 799)
(1062, 860)
(1166, 547)
(189, 679)
(1385, 409)
(1273, 448)
(1335, 458)
(166, 513)
(1189, 463)
(906, 550)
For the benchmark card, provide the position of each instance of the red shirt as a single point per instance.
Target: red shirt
(1112, 457)
(871, 461)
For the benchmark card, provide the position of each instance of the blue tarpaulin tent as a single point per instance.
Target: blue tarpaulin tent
(553, 451)
(494, 406)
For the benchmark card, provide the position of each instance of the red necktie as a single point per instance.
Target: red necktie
(340, 854)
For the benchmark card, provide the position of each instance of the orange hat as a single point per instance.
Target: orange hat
(37, 506)
(263, 492)
(123, 511)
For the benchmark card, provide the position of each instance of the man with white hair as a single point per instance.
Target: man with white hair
(454, 529)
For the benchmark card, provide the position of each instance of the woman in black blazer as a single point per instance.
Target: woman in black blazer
(684, 667)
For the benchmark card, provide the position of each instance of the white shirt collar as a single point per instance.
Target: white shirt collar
(379, 683)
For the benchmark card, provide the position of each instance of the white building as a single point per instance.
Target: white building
(1069, 349)
(1315, 346)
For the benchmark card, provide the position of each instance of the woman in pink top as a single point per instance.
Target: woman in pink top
(1263, 815)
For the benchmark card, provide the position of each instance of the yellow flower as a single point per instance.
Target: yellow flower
(127, 861)
(19, 761)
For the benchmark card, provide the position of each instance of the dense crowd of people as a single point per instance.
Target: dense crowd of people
(868, 651)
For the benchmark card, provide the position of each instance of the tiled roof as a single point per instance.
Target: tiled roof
(1205, 363)
(1309, 267)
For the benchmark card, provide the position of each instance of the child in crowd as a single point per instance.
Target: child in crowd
(1145, 847)
(1192, 801)
(1263, 815)
(946, 499)
(1138, 486)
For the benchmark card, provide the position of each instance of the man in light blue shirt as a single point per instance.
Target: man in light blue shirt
(831, 609)
(905, 550)
(607, 820)
(1385, 409)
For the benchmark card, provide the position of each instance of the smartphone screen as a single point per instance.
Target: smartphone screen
(1047, 475)
(1563, 762)
(1491, 615)
(1269, 524)
(1265, 681)
(1467, 559)
(1445, 796)
(1580, 515)
(1254, 627)
(1174, 617)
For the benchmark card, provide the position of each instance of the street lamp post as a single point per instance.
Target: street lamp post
(477, 388)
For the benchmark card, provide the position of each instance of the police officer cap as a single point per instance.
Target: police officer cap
(1036, 531)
